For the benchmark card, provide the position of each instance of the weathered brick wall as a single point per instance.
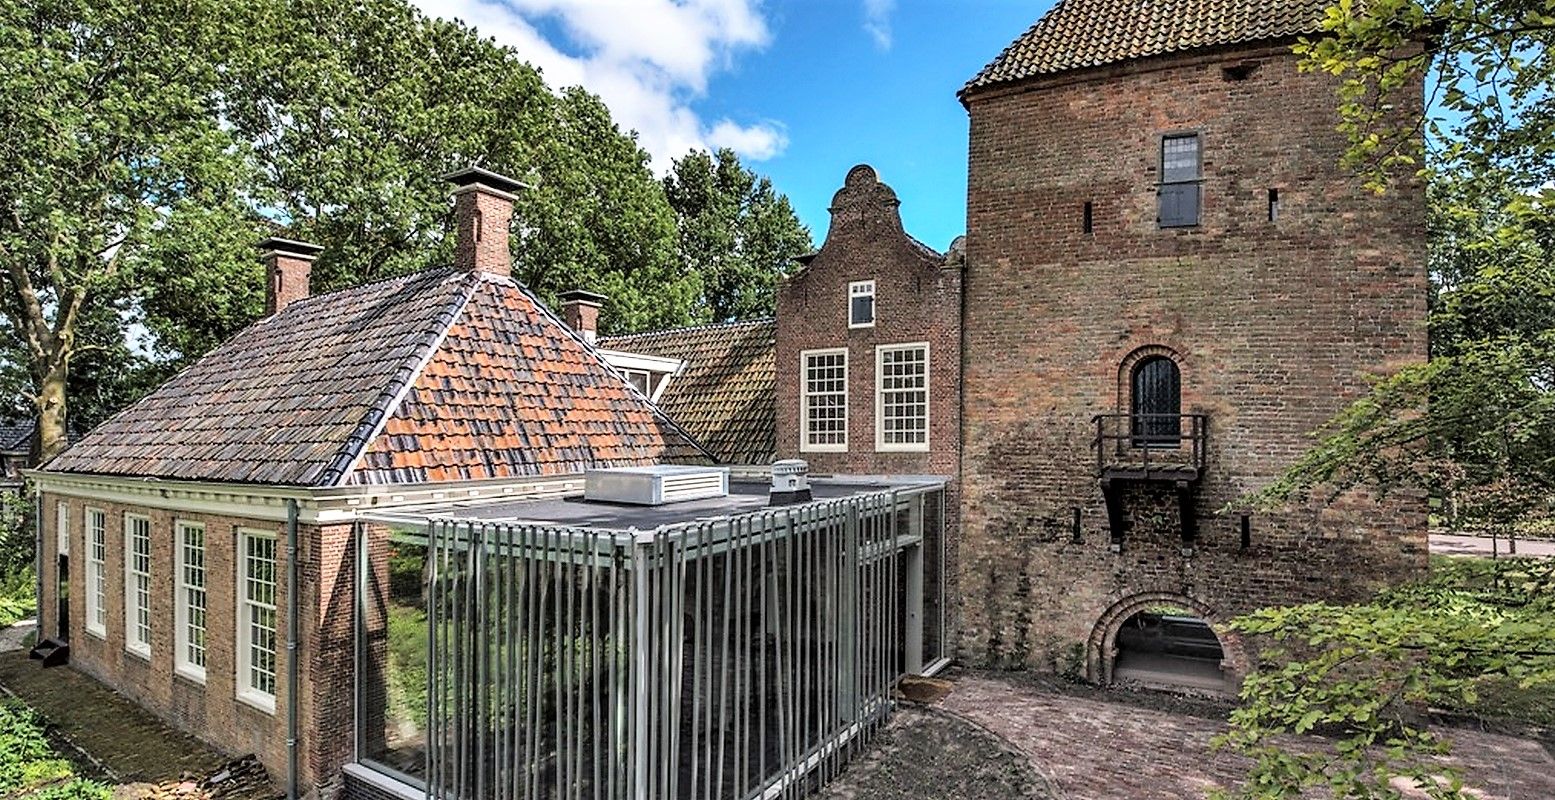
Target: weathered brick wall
(1275, 325)
(212, 711)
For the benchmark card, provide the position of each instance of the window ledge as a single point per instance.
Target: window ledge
(901, 448)
(140, 652)
(824, 448)
(190, 673)
(257, 700)
(100, 634)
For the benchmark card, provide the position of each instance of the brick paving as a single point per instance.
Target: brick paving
(1093, 748)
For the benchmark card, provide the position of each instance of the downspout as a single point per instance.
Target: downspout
(37, 569)
(292, 627)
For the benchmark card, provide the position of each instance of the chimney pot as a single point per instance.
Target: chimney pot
(580, 310)
(483, 212)
(288, 271)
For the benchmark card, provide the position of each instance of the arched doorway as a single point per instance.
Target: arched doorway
(1163, 640)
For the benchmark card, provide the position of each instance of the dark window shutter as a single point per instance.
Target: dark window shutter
(1179, 205)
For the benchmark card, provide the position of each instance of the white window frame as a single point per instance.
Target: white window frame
(247, 692)
(805, 445)
(182, 662)
(863, 289)
(132, 643)
(62, 528)
(95, 533)
(880, 443)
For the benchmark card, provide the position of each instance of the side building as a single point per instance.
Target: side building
(1170, 284)
(221, 564)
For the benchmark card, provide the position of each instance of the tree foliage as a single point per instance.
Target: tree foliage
(1474, 633)
(152, 144)
(1475, 425)
(735, 232)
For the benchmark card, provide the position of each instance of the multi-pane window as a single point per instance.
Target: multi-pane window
(137, 584)
(1180, 173)
(96, 578)
(256, 619)
(191, 600)
(861, 304)
(824, 401)
(902, 397)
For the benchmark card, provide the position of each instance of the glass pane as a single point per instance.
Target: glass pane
(394, 648)
(1179, 158)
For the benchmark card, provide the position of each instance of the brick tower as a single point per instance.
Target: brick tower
(1169, 284)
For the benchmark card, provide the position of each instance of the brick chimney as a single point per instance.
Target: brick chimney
(288, 271)
(580, 310)
(483, 210)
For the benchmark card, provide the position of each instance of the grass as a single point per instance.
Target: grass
(30, 768)
(17, 599)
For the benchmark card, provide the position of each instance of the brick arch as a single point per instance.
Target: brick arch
(1138, 354)
(1101, 648)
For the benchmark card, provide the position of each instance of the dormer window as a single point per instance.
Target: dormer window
(861, 304)
(1180, 176)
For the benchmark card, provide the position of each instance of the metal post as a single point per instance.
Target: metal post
(912, 637)
(642, 666)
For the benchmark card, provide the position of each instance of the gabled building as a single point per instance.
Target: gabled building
(15, 451)
(212, 523)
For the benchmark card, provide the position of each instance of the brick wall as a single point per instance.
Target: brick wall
(1274, 325)
(917, 299)
(212, 710)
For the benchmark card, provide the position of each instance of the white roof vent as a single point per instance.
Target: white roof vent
(790, 481)
(656, 485)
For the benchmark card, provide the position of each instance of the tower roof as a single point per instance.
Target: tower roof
(1078, 34)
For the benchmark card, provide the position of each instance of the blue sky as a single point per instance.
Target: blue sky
(802, 89)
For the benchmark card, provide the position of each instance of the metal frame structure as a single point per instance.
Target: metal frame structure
(738, 657)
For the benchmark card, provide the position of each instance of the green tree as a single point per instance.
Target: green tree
(1474, 426)
(734, 232)
(112, 118)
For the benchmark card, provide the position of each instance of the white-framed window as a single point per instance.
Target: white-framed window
(190, 607)
(62, 528)
(137, 584)
(861, 304)
(902, 397)
(256, 619)
(96, 574)
(824, 401)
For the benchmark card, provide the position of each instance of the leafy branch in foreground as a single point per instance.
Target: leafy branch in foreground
(1367, 675)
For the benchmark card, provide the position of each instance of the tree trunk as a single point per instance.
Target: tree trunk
(52, 436)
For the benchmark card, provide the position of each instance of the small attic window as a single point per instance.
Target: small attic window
(861, 304)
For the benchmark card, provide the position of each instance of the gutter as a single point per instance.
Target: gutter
(292, 627)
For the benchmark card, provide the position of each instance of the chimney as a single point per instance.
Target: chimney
(580, 310)
(483, 210)
(288, 271)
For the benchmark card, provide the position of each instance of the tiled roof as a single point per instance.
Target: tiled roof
(512, 392)
(296, 399)
(1076, 34)
(725, 396)
(15, 435)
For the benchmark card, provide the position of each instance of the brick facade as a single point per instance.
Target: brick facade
(917, 299)
(1274, 325)
(212, 710)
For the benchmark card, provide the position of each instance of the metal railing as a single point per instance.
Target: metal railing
(737, 658)
(1149, 445)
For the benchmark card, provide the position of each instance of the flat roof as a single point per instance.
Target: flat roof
(745, 496)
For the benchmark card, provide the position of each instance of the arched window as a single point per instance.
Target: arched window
(1155, 397)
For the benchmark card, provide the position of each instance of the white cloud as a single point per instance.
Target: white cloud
(648, 60)
(877, 21)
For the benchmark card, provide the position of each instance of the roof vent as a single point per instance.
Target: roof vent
(790, 482)
(656, 485)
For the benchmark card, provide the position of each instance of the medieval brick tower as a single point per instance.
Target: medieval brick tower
(1169, 284)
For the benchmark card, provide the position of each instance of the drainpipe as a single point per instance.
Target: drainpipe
(292, 626)
(37, 557)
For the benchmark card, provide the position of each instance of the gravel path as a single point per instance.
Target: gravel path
(11, 637)
(1450, 545)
